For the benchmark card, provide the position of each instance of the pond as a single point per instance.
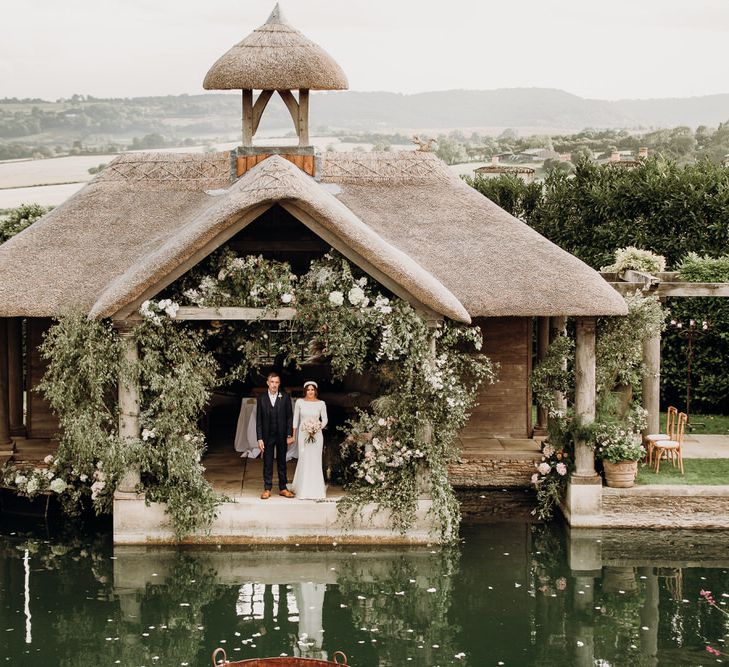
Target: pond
(512, 593)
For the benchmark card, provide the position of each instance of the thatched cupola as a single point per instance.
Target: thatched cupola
(276, 58)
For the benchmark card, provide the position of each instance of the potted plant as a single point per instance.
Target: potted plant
(619, 448)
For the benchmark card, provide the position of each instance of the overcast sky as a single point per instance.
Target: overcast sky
(606, 49)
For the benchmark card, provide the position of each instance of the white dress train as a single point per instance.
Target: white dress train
(309, 479)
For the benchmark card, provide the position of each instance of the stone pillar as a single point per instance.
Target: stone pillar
(585, 391)
(5, 440)
(558, 327)
(649, 618)
(652, 382)
(15, 376)
(584, 491)
(542, 347)
(583, 599)
(128, 403)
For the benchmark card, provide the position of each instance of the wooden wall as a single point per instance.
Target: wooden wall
(504, 409)
(42, 423)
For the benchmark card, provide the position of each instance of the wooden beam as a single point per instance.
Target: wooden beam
(302, 128)
(631, 276)
(292, 105)
(231, 313)
(247, 117)
(259, 107)
(691, 289)
(15, 376)
(542, 347)
(627, 288)
(5, 439)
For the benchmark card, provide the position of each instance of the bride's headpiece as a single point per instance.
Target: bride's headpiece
(312, 383)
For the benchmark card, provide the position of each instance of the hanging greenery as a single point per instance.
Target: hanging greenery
(396, 450)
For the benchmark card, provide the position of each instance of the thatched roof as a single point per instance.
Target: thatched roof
(276, 56)
(404, 214)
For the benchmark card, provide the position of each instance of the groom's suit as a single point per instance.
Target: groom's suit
(274, 423)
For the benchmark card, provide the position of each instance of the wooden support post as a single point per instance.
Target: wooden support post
(5, 440)
(128, 403)
(247, 117)
(15, 376)
(585, 391)
(302, 128)
(542, 347)
(652, 382)
(558, 327)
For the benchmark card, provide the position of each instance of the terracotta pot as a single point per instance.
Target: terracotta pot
(620, 475)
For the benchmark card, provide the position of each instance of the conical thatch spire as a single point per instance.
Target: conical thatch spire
(276, 56)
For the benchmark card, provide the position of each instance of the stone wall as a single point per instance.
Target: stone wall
(507, 473)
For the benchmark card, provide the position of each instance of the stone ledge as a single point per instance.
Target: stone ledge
(664, 490)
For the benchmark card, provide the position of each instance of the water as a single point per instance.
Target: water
(513, 593)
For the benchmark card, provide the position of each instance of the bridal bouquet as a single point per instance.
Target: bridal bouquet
(311, 428)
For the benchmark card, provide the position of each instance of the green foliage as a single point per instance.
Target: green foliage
(637, 260)
(80, 384)
(710, 381)
(175, 377)
(511, 193)
(18, 219)
(696, 471)
(552, 374)
(550, 479)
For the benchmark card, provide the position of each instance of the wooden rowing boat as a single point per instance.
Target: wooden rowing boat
(220, 659)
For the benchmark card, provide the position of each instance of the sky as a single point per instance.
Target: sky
(607, 49)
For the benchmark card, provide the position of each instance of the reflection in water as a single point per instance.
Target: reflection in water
(515, 593)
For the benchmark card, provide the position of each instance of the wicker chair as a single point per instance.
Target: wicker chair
(652, 438)
(672, 448)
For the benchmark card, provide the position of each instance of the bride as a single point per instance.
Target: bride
(310, 417)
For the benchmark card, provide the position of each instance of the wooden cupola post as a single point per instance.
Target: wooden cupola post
(275, 58)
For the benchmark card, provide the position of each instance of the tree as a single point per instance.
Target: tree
(17, 219)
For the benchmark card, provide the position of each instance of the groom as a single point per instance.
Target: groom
(274, 429)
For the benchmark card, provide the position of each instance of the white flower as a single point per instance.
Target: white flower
(362, 281)
(336, 298)
(48, 475)
(32, 486)
(58, 485)
(287, 298)
(223, 274)
(561, 469)
(381, 422)
(548, 450)
(544, 468)
(83, 477)
(147, 433)
(355, 295)
(171, 309)
(48, 460)
(535, 478)
(20, 480)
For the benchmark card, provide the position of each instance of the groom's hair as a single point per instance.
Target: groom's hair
(273, 374)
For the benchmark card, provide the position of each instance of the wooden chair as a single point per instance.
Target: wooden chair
(652, 438)
(672, 448)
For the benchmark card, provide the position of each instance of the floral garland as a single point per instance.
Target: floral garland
(400, 448)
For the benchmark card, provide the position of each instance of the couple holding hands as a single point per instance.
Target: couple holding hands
(277, 429)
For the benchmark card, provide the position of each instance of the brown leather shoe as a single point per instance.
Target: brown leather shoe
(286, 493)
(266, 494)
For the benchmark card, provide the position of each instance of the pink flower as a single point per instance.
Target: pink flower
(707, 596)
(544, 468)
(561, 469)
(535, 478)
(561, 583)
(712, 650)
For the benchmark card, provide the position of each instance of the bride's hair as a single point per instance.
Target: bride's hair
(313, 386)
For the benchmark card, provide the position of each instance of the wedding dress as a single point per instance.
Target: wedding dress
(309, 478)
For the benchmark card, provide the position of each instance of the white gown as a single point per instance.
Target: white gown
(309, 478)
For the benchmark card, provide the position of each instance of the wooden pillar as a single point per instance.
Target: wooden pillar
(652, 382)
(542, 347)
(585, 391)
(247, 117)
(303, 125)
(558, 327)
(15, 376)
(128, 403)
(5, 440)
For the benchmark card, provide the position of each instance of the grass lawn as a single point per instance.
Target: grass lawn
(698, 471)
(718, 424)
